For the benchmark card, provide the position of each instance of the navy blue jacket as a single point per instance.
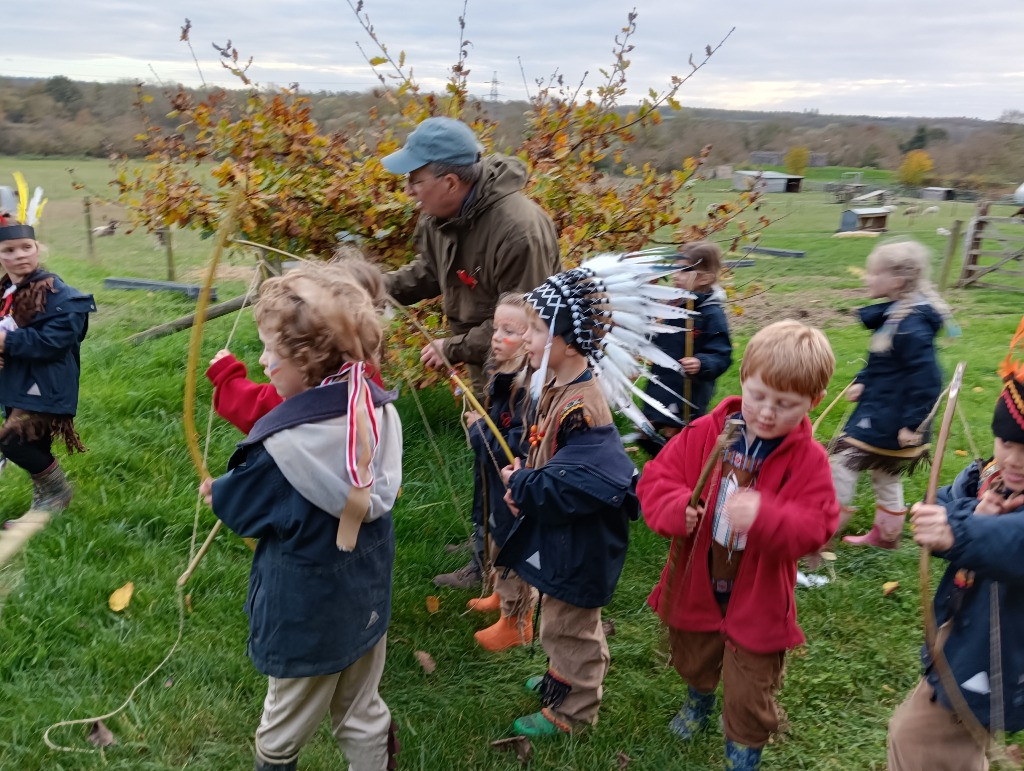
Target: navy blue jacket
(570, 538)
(490, 457)
(900, 385)
(993, 547)
(41, 361)
(313, 609)
(711, 344)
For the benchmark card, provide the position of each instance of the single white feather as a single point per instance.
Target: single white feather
(34, 206)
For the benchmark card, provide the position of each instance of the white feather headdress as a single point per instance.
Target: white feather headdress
(609, 310)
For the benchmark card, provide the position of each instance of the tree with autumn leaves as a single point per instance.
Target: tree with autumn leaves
(304, 188)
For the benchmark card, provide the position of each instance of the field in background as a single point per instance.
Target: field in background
(64, 654)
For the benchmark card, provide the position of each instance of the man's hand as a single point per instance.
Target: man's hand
(992, 503)
(431, 355)
(853, 392)
(741, 507)
(931, 527)
(472, 416)
(691, 365)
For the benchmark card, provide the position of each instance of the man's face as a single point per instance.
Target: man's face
(436, 196)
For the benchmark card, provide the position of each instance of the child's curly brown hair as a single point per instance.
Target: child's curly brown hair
(319, 317)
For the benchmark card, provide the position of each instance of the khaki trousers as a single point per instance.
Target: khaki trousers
(749, 681)
(888, 487)
(518, 598)
(925, 736)
(295, 707)
(577, 651)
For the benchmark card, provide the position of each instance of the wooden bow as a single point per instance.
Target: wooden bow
(949, 684)
(224, 231)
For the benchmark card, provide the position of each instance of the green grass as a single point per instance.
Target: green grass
(64, 654)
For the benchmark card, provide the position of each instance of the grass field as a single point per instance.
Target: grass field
(64, 654)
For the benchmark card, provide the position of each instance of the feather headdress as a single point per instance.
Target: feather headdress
(608, 310)
(19, 213)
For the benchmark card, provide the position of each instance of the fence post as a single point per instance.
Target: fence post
(170, 253)
(88, 229)
(947, 260)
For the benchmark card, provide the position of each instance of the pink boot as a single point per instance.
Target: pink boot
(885, 532)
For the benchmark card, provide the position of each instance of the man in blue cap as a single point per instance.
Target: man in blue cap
(478, 236)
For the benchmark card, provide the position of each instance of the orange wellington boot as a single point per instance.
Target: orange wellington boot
(504, 634)
(485, 604)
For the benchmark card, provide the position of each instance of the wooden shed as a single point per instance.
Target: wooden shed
(766, 181)
(864, 219)
(938, 194)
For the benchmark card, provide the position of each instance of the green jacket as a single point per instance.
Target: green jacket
(503, 240)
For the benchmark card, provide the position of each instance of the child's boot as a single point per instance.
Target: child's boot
(540, 724)
(505, 633)
(739, 757)
(468, 577)
(51, 490)
(694, 715)
(485, 604)
(885, 532)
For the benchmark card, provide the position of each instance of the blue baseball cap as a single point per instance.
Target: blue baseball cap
(435, 140)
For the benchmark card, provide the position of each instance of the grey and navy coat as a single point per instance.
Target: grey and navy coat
(313, 609)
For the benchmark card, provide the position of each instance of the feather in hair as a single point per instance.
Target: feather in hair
(19, 180)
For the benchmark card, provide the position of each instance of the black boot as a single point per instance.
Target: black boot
(262, 765)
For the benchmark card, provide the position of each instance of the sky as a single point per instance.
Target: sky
(929, 58)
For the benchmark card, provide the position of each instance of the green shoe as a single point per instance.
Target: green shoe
(533, 684)
(536, 725)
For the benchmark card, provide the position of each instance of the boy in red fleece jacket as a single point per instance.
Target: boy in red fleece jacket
(733, 614)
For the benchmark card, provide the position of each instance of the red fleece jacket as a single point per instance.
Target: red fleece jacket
(242, 402)
(798, 514)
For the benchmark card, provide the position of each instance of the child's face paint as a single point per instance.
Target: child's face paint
(770, 413)
(507, 339)
(286, 378)
(19, 257)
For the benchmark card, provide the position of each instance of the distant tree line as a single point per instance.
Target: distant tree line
(59, 116)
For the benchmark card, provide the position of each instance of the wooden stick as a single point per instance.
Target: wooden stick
(184, 577)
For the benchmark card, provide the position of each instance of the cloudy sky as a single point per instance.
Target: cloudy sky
(915, 57)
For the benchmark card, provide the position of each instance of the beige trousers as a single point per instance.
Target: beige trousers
(573, 638)
(518, 598)
(295, 707)
(925, 736)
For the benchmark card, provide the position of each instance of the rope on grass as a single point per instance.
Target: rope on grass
(179, 589)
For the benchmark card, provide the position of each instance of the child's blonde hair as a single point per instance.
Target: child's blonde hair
(790, 356)
(910, 261)
(319, 318)
(705, 256)
(366, 273)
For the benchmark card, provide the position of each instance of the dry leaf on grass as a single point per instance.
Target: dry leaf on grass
(961, 453)
(433, 604)
(624, 761)
(520, 744)
(426, 661)
(609, 627)
(120, 598)
(101, 736)
(828, 556)
(889, 587)
(977, 389)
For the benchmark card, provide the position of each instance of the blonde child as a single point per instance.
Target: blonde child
(710, 348)
(732, 613)
(42, 324)
(895, 391)
(506, 395)
(315, 481)
(241, 401)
